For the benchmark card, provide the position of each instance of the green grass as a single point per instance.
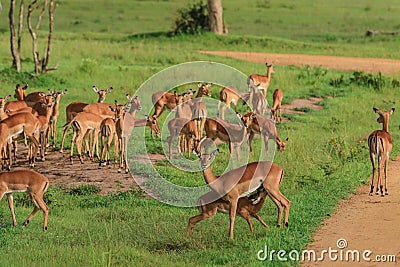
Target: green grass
(124, 44)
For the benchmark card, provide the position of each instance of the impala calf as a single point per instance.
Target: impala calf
(31, 182)
(247, 207)
(239, 182)
(107, 131)
(380, 145)
(277, 105)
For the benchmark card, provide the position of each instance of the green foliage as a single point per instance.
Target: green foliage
(85, 190)
(192, 20)
(366, 80)
(10, 76)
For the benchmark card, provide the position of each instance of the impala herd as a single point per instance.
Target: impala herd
(34, 117)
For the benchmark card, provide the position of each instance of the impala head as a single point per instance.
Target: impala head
(57, 95)
(383, 115)
(102, 93)
(282, 145)
(204, 89)
(20, 91)
(134, 103)
(153, 122)
(179, 99)
(206, 159)
(188, 95)
(270, 67)
(48, 102)
(4, 100)
(119, 110)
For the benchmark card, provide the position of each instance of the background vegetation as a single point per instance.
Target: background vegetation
(123, 43)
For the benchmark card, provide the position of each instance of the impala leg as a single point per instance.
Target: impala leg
(372, 157)
(11, 206)
(386, 166)
(251, 136)
(72, 146)
(63, 138)
(246, 216)
(380, 166)
(205, 214)
(232, 214)
(259, 219)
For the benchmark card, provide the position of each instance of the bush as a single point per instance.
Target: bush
(85, 190)
(192, 20)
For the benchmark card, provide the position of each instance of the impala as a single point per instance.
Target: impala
(24, 123)
(35, 184)
(258, 81)
(247, 207)
(259, 124)
(124, 127)
(186, 130)
(239, 182)
(83, 124)
(259, 103)
(20, 96)
(228, 95)
(76, 107)
(164, 100)
(230, 133)
(44, 125)
(55, 113)
(151, 122)
(380, 144)
(277, 106)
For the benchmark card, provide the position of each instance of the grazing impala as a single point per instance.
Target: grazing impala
(239, 182)
(151, 122)
(76, 107)
(258, 124)
(20, 96)
(247, 207)
(277, 106)
(230, 133)
(258, 81)
(31, 182)
(259, 103)
(380, 144)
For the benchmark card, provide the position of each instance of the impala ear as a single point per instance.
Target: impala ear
(195, 153)
(239, 115)
(95, 89)
(64, 92)
(209, 84)
(25, 87)
(7, 97)
(374, 109)
(392, 111)
(109, 89)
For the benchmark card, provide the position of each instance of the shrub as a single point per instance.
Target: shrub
(85, 190)
(192, 20)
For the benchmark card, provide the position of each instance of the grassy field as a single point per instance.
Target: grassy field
(122, 44)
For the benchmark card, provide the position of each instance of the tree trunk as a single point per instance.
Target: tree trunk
(15, 45)
(215, 16)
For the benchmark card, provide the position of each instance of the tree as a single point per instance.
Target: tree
(41, 64)
(215, 17)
